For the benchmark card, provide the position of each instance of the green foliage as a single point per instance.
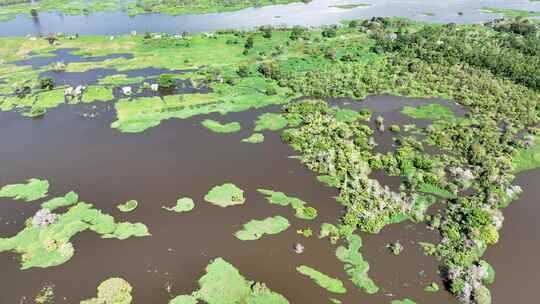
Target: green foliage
(404, 301)
(527, 158)
(331, 284)
(395, 248)
(46, 83)
(433, 287)
(218, 127)
(112, 291)
(128, 206)
(34, 189)
(183, 204)
(223, 284)
(279, 198)
(355, 265)
(167, 81)
(255, 229)
(225, 195)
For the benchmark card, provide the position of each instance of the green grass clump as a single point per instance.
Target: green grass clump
(255, 229)
(434, 189)
(355, 265)
(270, 121)
(218, 127)
(33, 189)
(254, 138)
(280, 198)
(120, 79)
(223, 284)
(50, 245)
(225, 195)
(69, 199)
(112, 291)
(432, 111)
(328, 180)
(128, 206)
(321, 279)
(95, 93)
(183, 204)
(527, 159)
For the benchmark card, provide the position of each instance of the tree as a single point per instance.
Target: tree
(249, 43)
(46, 83)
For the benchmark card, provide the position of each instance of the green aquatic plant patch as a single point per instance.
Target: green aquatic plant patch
(225, 195)
(270, 121)
(355, 265)
(279, 198)
(528, 158)
(128, 206)
(331, 284)
(32, 190)
(45, 241)
(254, 138)
(216, 126)
(183, 204)
(71, 198)
(432, 111)
(508, 12)
(223, 284)
(97, 93)
(404, 301)
(255, 229)
(112, 291)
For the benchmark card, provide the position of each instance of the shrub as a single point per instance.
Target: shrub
(166, 81)
(46, 83)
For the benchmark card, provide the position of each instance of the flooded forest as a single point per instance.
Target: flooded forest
(269, 151)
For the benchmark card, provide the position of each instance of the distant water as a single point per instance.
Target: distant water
(318, 12)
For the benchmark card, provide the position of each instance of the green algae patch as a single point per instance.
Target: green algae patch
(223, 284)
(347, 115)
(270, 121)
(45, 241)
(128, 206)
(216, 126)
(527, 159)
(33, 189)
(95, 93)
(183, 204)
(280, 198)
(432, 111)
(112, 291)
(71, 198)
(255, 229)
(225, 195)
(355, 265)
(331, 284)
(254, 138)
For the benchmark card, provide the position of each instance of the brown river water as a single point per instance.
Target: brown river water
(180, 158)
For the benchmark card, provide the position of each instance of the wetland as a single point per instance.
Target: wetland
(373, 160)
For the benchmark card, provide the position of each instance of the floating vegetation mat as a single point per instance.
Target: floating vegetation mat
(255, 229)
(331, 284)
(112, 291)
(254, 138)
(223, 284)
(225, 195)
(34, 189)
(218, 127)
(280, 198)
(183, 204)
(270, 121)
(128, 206)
